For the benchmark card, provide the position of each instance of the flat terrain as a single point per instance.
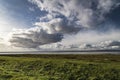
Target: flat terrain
(60, 67)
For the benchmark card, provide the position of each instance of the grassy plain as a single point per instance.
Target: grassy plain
(60, 67)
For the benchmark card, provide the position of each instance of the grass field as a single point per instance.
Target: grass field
(60, 67)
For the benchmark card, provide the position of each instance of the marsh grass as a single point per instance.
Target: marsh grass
(60, 67)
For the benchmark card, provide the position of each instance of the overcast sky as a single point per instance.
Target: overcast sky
(59, 24)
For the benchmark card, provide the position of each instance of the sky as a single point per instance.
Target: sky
(59, 25)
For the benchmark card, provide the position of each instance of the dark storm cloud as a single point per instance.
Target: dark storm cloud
(33, 38)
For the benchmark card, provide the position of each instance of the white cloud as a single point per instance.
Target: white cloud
(87, 12)
(90, 37)
(88, 40)
(112, 45)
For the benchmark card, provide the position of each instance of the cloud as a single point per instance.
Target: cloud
(110, 44)
(6, 47)
(32, 38)
(67, 22)
(88, 40)
(91, 37)
(86, 13)
(103, 45)
(59, 25)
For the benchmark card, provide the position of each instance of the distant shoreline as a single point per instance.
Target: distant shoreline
(64, 52)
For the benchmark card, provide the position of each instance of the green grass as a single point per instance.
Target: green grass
(60, 67)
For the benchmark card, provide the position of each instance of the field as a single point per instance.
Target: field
(60, 67)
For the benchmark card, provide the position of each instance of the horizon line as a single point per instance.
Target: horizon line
(105, 50)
